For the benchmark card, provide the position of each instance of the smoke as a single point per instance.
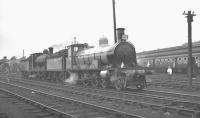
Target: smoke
(72, 79)
(61, 46)
(58, 46)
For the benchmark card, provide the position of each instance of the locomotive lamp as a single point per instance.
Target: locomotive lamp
(125, 37)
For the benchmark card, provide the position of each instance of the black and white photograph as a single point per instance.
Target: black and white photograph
(99, 59)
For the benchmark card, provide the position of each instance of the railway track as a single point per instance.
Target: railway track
(176, 83)
(169, 94)
(179, 79)
(62, 106)
(173, 84)
(177, 106)
(181, 85)
(31, 107)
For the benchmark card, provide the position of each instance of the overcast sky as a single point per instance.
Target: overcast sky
(34, 25)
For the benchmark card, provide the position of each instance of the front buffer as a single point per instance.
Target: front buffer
(121, 78)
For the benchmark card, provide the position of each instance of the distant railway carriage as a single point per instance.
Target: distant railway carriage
(10, 66)
(175, 57)
(79, 63)
(4, 65)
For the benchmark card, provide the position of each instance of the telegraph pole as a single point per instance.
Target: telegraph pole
(189, 17)
(23, 53)
(114, 20)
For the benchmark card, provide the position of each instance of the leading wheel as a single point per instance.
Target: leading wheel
(104, 83)
(95, 83)
(86, 83)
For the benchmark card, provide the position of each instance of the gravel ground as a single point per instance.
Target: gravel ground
(195, 93)
(163, 77)
(175, 77)
(8, 108)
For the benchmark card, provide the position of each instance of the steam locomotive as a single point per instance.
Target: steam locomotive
(81, 64)
(9, 66)
(4, 64)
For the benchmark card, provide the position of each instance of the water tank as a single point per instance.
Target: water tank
(103, 41)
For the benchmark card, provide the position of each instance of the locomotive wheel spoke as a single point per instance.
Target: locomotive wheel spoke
(119, 84)
(104, 83)
(124, 83)
(95, 83)
(42, 76)
(86, 83)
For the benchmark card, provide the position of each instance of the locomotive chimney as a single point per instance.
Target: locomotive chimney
(50, 50)
(120, 33)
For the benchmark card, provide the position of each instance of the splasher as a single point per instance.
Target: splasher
(72, 79)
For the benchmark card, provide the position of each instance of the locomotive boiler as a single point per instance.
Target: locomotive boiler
(102, 66)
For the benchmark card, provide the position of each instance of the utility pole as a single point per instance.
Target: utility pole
(23, 53)
(114, 20)
(189, 17)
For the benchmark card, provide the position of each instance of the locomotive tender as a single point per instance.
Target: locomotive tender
(79, 63)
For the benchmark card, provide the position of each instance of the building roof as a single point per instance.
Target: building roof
(175, 48)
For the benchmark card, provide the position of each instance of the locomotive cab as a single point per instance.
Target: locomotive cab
(72, 52)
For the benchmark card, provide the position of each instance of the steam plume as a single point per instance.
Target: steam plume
(72, 79)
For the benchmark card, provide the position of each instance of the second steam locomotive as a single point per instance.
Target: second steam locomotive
(113, 65)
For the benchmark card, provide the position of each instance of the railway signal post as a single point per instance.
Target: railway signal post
(189, 17)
